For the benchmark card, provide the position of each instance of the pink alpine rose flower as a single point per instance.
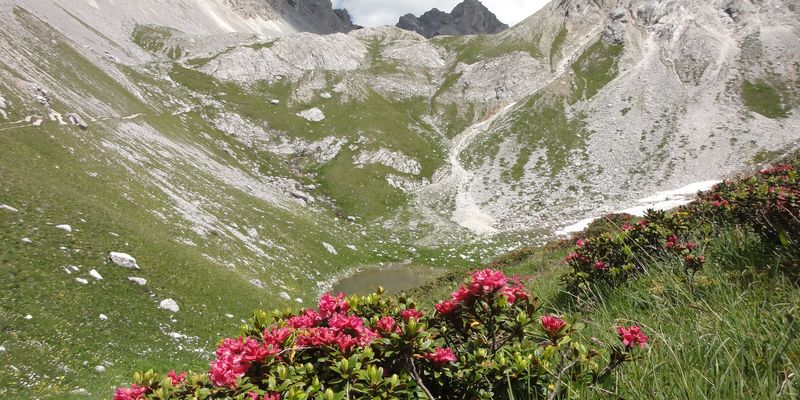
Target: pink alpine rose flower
(441, 356)
(224, 373)
(552, 324)
(632, 336)
(600, 266)
(461, 295)
(276, 336)
(134, 392)
(176, 379)
(308, 319)
(411, 313)
(386, 324)
(487, 281)
(329, 305)
(515, 292)
(446, 307)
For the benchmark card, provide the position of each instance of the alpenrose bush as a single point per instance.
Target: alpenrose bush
(485, 341)
(768, 201)
(613, 258)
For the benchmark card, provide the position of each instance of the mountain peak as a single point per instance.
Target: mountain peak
(469, 17)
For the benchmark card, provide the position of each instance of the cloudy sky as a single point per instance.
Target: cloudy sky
(371, 13)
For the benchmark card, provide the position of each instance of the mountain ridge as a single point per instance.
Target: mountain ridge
(469, 17)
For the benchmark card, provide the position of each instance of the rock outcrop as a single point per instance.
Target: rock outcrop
(467, 18)
(317, 16)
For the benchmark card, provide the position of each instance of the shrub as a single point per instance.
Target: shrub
(768, 202)
(611, 259)
(486, 341)
(609, 223)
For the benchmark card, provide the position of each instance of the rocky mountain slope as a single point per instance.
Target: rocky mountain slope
(229, 153)
(469, 17)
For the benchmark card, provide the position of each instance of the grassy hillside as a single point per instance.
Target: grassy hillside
(726, 331)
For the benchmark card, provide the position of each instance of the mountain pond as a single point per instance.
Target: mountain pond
(394, 277)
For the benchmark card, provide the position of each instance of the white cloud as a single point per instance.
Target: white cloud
(386, 12)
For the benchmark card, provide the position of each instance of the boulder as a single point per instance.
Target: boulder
(305, 197)
(330, 248)
(96, 275)
(312, 114)
(65, 228)
(76, 119)
(123, 260)
(614, 33)
(138, 281)
(169, 305)
(618, 14)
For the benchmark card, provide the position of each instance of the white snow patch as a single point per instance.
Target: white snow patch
(103, 317)
(661, 201)
(82, 281)
(26, 240)
(169, 305)
(29, 317)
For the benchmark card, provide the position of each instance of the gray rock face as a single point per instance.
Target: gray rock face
(467, 18)
(317, 16)
(392, 159)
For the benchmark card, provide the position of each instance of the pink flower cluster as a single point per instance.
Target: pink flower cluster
(134, 392)
(328, 325)
(342, 331)
(632, 336)
(234, 358)
(441, 356)
(674, 244)
(387, 324)
(484, 282)
(407, 314)
(176, 379)
(552, 324)
(777, 169)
